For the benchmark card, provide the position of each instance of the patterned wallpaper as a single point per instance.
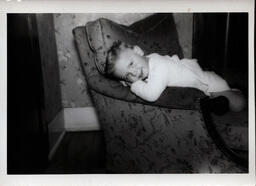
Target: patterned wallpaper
(73, 85)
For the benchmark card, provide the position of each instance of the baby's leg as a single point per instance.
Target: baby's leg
(236, 99)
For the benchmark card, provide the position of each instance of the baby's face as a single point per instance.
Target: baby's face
(131, 66)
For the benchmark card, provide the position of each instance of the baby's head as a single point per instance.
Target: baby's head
(126, 62)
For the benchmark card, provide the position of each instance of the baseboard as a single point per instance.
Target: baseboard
(70, 119)
(81, 119)
(56, 131)
(56, 145)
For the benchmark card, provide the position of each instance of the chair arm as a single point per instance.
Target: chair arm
(172, 97)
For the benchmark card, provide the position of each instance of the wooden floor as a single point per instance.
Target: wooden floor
(79, 153)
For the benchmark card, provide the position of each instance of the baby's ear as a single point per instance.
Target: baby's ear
(138, 50)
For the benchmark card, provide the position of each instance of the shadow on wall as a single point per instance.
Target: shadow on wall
(73, 85)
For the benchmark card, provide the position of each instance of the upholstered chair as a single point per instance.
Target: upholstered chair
(166, 136)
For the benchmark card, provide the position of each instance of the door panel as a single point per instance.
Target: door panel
(27, 140)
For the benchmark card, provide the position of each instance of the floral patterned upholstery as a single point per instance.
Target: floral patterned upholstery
(148, 139)
(168, 136)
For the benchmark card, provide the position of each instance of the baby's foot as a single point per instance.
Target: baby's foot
(218, 105)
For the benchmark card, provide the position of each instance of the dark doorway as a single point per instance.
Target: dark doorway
(27, 140)
(220, 43)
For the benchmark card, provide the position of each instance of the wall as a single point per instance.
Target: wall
(184, 25)
(73, 86)
(50, 67)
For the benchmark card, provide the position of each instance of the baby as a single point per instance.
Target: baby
(148, 76)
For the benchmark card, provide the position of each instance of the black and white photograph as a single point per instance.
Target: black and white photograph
(128, 93)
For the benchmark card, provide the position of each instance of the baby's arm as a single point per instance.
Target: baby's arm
(151, 90)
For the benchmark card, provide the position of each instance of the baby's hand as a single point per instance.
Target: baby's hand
(125, 83)
(128, 83)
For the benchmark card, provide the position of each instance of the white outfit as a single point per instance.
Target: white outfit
(166, 71)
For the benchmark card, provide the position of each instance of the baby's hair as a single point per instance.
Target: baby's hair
(112, 55)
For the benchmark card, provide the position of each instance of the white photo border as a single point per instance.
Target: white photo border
(124, 6)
